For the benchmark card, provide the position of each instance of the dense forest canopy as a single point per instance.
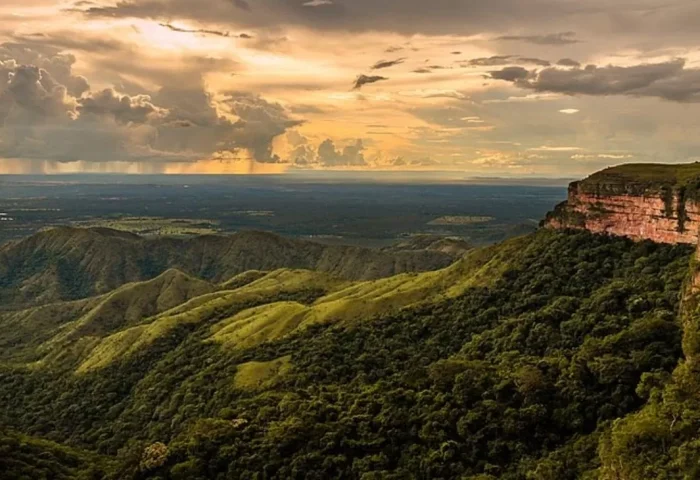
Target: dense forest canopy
(562, 355)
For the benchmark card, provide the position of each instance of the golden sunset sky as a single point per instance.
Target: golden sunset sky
(499, 87)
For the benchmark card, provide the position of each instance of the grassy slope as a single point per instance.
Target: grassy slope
(98, 332)
(365, 300)
(58, 330)
(259, 375)
(200, 309)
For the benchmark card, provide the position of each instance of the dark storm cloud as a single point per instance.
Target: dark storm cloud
(48, 113)
(260, 122)
(124, 108)
(387, 63)
(667, 80)
(363, 80)
(563, 38)
(59, 65)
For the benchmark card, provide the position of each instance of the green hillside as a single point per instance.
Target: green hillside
(632, 178)
(27, 458)
(557, 355)
(69, 264)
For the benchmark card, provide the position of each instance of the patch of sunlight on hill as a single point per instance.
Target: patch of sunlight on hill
(362, 301)
(344, 302)
(201, 309)
(260, 375)
(243, 279)
(257, 325)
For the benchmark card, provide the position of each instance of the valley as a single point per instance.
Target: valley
(564, 353)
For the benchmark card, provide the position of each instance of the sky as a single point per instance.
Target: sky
(548, 88)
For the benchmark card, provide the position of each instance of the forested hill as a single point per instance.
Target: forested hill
(70, 263)
(558, 355)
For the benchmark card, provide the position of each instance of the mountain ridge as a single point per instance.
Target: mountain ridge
(68, 263)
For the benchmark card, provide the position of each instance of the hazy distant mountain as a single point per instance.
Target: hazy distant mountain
(69, 263)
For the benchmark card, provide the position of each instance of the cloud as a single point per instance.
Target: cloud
(510, 74)
(423, 162)
(567, 62)
(218, 33)
(387, 63)
(242, 5)
(41, 119)
(496, 60)
(305, 109)
(667, 80)
(351, 155)
(407, 17)
(317, 3)
(534, 61)
(303, 155)
(259, 123)
(59, 65)
(563, 38)
(569, 111)
(123, 108)
(434, 93)
(363, 80)
(33, 92)
(499, 60)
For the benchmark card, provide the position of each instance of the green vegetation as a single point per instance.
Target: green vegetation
(257, 375)
(70, 264)
(27, 458)
(558, 355)
(645, 178)
(154, 226)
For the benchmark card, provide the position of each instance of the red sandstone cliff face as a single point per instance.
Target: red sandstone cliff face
(638, 216)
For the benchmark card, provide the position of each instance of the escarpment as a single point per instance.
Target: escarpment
(643, 202)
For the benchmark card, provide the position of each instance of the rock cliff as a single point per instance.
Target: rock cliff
(639, 201)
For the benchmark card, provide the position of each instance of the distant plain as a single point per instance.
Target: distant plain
(355, 211)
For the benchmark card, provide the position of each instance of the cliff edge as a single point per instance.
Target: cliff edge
(640, 201)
